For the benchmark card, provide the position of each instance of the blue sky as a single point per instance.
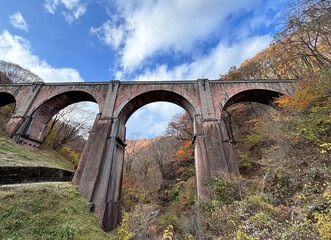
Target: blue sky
(101, 40)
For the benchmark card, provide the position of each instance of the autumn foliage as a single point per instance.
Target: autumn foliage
(186, 152)
(305, 95)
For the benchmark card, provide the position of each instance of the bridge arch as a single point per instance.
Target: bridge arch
(42, 114)
(6, 98)
(264, 96)
(130, 106)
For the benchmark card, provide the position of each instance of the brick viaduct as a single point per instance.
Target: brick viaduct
(99, 173)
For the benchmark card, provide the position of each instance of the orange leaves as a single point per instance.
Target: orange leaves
(284, 100)
(306, 95)
(153, 228)
(145, 142)
(255, 121)
(185, 152)
(187, 145)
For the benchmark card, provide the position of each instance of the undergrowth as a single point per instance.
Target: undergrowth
(47, 211)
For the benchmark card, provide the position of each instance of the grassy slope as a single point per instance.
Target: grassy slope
(47, 211)
(14, 155)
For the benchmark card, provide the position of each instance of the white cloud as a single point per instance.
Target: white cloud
(51, 5)
(18, 21)
(154, 26)
(72, 9)
(164, 110)
(109, 34)
(16, 49)
(217, 62)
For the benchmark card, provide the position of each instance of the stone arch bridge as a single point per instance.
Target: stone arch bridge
(99, 173)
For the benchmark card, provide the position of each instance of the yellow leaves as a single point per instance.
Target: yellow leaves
(323, 225)
(327, 194)
(69, 153)
(324, 218)
(123, 231)
(325, 146)
(255, 121)
(184, 200)
(129, 150)
(302, 196)
(168, 234)
(243, 236)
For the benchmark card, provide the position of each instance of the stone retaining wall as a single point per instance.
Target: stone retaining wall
(26, 174)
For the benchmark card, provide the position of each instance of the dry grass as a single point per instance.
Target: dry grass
(12, 154)
(47, 211)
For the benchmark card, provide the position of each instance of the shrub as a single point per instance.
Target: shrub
(183, 193)
(224, 190)
(323, 218)
(244, 161)
(168, 219)
(123, 231)
(132, 193)
(141, 223)
(254, 138)
(70, 154)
